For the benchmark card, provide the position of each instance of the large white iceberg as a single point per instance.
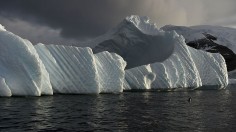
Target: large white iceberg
(27, 70)
(74, 70)
(22, 72)
(214, 39)
(159, 59)
(156, 60)
(185, 68)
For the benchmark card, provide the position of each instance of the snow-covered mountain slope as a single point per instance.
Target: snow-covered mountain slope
(75, 70)
(225, 36)
(21, 70)
(213, 39)
(175, 64)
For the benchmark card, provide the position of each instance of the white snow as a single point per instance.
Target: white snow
(111, 74)
(71, 69)
(27, 70)
(4, 89)
(139, 78)
(185, 67)
(143, 24)
(2, 28)
(21, 67)
(225, 36)
(75, 70)
(135, 44)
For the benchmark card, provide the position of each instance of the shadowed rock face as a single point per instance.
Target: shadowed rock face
(207, 44)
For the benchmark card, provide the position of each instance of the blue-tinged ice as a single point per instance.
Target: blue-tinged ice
(22, 72)
(75, 70)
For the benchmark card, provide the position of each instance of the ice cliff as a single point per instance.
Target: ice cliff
(155, 59)
(75, 70)
(27, 70)
(159, 59)
(21, 70)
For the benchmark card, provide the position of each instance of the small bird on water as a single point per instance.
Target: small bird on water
(189, 99)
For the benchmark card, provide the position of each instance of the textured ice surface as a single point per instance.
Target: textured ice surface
(76, 70)
(20, 66)
(159, 59)
(162, 58)
(185, 67)
(4, 89)
(110, 67)
(211, 67)
(71, 69)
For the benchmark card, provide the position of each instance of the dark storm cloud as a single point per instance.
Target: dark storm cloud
(75, 17)
(80, 19)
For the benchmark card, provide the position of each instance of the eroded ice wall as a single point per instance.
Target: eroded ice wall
(184, 67)
(21, 70)
(110, 67)
(75, 70)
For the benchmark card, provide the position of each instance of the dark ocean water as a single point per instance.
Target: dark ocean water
(211, 110)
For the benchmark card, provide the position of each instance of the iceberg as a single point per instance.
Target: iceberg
(213, 39)
(161, 60)
(185, 68)
(132, 41)
(71, 69)
(22, 72)
(75, 70)
(27, 70)
(224, 36)
(134, 55)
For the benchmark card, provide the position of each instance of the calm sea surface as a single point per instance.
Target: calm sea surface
(210, 110)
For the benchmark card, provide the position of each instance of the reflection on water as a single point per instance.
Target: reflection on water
(212, 110)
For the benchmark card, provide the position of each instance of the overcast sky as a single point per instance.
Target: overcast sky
(72, 21)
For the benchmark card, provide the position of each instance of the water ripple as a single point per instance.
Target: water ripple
(138, 111)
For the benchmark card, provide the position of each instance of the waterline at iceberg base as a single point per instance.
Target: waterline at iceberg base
(156, 60)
